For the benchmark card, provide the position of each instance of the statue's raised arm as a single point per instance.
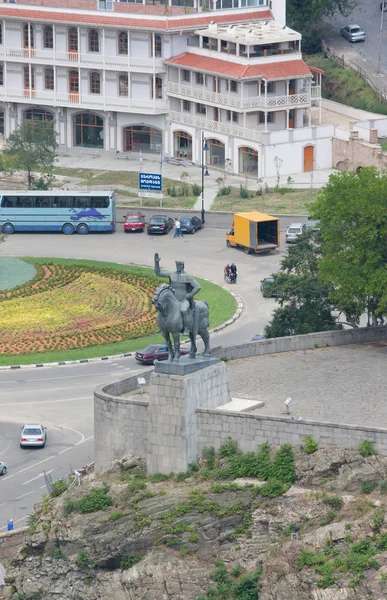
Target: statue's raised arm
(158, 271)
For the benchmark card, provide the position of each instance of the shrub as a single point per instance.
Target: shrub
(243, 192)
(196, 189)
(283, 465)
(209, 456)
(273, 488)
(367, 487)
(82, 559)
(310, 444)
(378, 519)
(366, 448)
(264, 461)
(129, 561)
(383, 487)
(335, 501)
(58, 487)
(157, 477)
(96, 500)
(228, 448)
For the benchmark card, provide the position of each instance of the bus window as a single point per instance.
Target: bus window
(99, 202)
(7, 202)
(62, 202)
(24, 202)
(81, 202)
(43, 202)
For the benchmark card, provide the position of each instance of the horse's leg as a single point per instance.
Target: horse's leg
(176, 339)
(192, 352)
(205, 335)
(168, 342)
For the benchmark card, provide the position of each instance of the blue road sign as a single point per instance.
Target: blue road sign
(150, 182)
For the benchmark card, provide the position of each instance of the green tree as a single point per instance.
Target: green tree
(352, 210)
(304, 304)
(307, 17)
(31, 147)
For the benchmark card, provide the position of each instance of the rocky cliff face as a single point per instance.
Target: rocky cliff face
(174, 540)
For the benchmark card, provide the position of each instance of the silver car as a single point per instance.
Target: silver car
(353, 33)
(293, 231)
(3, 468)
(33, 435)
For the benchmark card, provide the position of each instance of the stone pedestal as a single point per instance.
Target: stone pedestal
(173, 402)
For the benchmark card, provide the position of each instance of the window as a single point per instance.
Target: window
(93, 40)
(1, 74)
(73, 40)
(233, 86)
(182, 145)
(232, 116)
(248, 160)
(123, 42)
(49, 79)
(48, 37)
(157, 46)
(123, 85)
(187, 105)
(217, 152)
(270, 87)
(1, 33)
(200, 108)
(73, 82)
(186, 75)
(95, 83)
(141, 138)
(38, 114)
(88, 130)
(158, 88)
(199, 78)
(29, 84)
(28, 36)
(261, 117)
(105, 5)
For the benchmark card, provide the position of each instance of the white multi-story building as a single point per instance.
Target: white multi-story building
(151, 78)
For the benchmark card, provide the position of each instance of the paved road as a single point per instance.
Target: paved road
(62, 397)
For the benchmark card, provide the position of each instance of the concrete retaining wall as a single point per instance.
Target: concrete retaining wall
(213, 427)
(303, 342)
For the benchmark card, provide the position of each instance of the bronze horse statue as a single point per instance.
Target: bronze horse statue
(170, 321)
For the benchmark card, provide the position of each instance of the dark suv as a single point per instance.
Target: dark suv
(160, 224)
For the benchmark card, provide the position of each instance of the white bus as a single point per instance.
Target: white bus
(65, 211)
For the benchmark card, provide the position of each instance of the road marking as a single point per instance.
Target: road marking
(23, 495)
(77, 444)
(37, 477)
(31, 466)
(75, 431)
(54, 378)
(46, 390)
(43, 486)
(47, 401)
(4, 503)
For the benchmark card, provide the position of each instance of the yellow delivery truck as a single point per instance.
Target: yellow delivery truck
(254, 232)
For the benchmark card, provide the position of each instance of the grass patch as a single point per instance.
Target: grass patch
(222, 307)
(289, 202)
(345, 86)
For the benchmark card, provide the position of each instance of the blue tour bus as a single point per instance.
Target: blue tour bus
(65, 211)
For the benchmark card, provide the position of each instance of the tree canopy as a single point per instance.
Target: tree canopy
(31, 147)
(352, 210)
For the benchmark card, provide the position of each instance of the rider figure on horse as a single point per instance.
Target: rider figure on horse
(185, 287)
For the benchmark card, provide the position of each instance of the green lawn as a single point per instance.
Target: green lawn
(222, 307)
(289, 202)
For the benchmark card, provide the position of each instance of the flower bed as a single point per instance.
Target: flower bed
(69, 307)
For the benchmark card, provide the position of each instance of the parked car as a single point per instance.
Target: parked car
(160, 224)
(268, 289)
(293, 231)
(258, 337)
(313, 225)
(190, 224)
(33, 435)
(148, 355)
(3, 468)
(134, 222)
(353, 33)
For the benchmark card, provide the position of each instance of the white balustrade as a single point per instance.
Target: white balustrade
(216, 126)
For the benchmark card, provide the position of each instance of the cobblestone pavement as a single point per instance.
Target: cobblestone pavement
(342, 384)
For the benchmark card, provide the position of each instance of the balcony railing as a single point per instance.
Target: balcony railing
(93, 101)
(315, 91)
(234, 101)
(51, 57)
(216, 126)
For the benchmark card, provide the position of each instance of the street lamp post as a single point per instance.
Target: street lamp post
(205, 172)
(380, 37)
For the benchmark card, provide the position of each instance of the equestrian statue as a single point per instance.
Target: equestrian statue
(178, 312)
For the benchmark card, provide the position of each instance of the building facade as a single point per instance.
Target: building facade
(128, 78)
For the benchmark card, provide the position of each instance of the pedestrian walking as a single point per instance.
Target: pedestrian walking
(10, 525)
(178, 232)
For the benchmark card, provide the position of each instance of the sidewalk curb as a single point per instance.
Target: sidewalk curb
(220, 327)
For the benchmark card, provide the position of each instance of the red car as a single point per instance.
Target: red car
(148, 355)
(134, 222)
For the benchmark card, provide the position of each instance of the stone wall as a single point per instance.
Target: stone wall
(250, 430)
(352, 154)
(10, 542)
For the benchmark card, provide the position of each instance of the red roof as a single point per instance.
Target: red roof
(272, 70)
(316, 70)
(161, 23)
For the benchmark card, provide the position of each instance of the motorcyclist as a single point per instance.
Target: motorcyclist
(234, 272)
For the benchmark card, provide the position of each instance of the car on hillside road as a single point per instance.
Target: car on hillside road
(33, 435)
(3, 468)
(294, 231)
(190, 224)
(160, 224)
(148, 355)
(258, 337)
(353, 33)
(267, 288)
(134, 221)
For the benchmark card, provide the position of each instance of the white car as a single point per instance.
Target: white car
(3, 468)
(33, 435)
(293, 231)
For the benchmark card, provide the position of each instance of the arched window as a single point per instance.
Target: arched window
(141, 138)
(48, 37)
(28, 36)
(88, 130)
(38, 114)
(248, 160)
(29, 82)
(49, 78)
(158, 88)
(73, 40)
(1, 74)
(182, 145)
(123, 42)
(95, 83)
(73, 82)
(157, 46)
(93, 40)
(123, 86)
(217, 153)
